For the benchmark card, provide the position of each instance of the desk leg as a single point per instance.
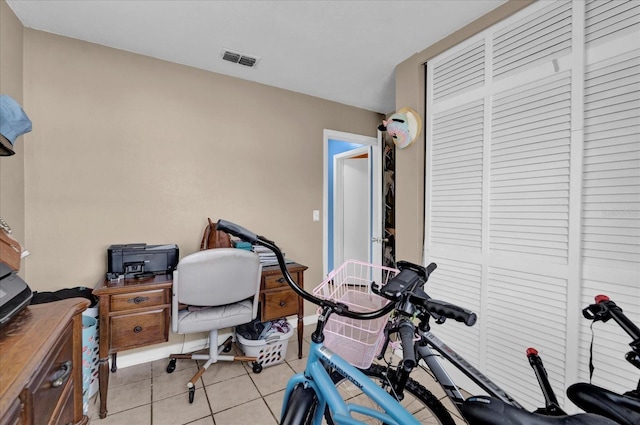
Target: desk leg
(300, 322)
(103, 384)
(300, 335)
(114, 366)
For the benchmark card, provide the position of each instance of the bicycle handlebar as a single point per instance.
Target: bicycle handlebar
(605, 309)
(451, 311)
(406, 331)
(406, 289)
(237, 230)
(338, 308)
(411, 279)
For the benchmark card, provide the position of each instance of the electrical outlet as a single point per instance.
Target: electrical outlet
(316, 215)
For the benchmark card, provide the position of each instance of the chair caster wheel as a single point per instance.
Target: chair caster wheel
(257, 367)
(192, 394)
(171, 366)
(226, 348)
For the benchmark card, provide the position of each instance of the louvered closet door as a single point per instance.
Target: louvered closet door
(533, 188)
(611, 184)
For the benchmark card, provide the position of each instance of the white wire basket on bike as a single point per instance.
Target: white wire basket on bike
(356, 341)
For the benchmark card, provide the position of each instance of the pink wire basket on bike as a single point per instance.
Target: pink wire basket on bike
(356, 341)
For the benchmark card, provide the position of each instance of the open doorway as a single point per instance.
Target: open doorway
(346, 154)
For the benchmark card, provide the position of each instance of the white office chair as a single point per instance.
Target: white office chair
(221, 286)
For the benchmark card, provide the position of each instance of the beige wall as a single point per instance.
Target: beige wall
(12, 206)
(410, 162)
(126, 148)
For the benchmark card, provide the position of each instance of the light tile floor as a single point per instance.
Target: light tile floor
(229, 393)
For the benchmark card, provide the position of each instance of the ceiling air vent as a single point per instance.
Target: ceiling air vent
(239, 58)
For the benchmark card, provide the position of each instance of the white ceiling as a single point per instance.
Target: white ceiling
(345, 51)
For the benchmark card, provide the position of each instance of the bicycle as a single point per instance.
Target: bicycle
(406, 291)
(623, 408)
(311, 395)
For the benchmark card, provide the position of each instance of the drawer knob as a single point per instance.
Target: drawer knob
(281, 280)
(137, 300)
(283, 303)
(63, 374)
(137, 329)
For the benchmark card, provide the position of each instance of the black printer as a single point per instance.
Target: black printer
(141, 260)
(15, 294)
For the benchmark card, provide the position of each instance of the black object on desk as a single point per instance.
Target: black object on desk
(15, 294)
(139, 258)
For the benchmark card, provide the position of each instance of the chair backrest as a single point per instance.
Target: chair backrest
(217, 277)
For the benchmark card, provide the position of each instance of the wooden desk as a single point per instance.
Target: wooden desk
(133, 313)
(41, 365)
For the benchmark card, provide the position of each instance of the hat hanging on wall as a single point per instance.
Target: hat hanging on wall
(404, 127)
(13, 124)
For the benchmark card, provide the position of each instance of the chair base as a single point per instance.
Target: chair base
(212, 357)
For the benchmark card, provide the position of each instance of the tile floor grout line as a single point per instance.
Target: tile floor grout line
(206, 394)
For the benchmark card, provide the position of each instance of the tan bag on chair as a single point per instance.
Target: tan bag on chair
(213, 238)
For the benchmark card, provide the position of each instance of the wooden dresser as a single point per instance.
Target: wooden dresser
(41, 365)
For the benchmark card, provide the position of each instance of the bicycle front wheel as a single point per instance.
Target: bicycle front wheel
(419, 401)
(301, 407)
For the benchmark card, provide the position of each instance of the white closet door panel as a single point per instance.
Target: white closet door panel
(611, 163)
(515, 323)
(456, 177)
(458, 282)
(540, 37)
(459, 73)
(611, 188)
(518, 175)
(533, 144)
(610, 19)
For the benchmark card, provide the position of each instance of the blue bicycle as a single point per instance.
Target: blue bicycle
(314, 395)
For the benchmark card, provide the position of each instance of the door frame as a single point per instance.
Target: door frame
(376, 179)
(340, 162)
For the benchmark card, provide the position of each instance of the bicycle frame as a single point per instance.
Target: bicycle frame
(317, 377)
(450, 388)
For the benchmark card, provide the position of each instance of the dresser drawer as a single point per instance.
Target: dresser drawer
(135, 300)
(52, 379)
(276, 281)
(66, 413)
(279, 303)
(139, 329)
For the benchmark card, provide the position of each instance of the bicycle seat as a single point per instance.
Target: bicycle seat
(482, 410)
(591, 398)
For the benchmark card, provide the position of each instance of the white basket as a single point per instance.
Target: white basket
(356, 341)
(269, 351)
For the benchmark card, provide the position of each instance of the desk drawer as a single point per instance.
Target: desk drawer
(134, 300)
(139, 329)
(53, 377)
(276, 281)
(280, 303)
